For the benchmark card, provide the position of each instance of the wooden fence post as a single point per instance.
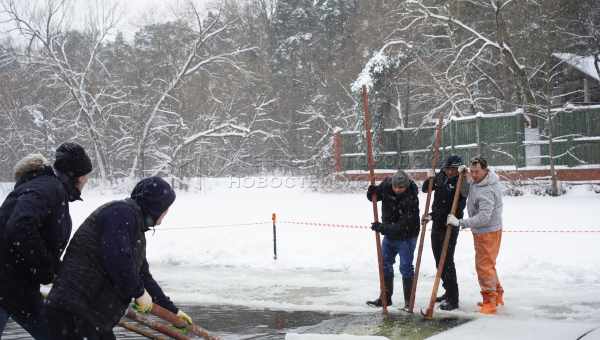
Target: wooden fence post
(337, 149)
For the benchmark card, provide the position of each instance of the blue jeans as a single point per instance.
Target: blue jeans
(35, 325)
(406, 250)
(3, 320)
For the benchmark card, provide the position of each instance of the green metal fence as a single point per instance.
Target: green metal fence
(500, 138)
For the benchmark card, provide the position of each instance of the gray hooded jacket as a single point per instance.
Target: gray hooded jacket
(484, 204)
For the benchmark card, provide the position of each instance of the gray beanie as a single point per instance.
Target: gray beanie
(400, 179)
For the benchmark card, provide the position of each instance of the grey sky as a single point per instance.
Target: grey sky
(137, 13)
(134, 13)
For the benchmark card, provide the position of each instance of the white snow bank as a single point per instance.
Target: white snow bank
(293, 336)
(494, 328)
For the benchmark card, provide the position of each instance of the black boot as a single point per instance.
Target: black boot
(407, 287)
(451, 301)
(441, 298)
(389, 290)
(449, 305)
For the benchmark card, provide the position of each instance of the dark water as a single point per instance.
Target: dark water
(235, 322)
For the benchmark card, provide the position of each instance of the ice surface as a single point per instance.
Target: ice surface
(331, 337)
(501, 329)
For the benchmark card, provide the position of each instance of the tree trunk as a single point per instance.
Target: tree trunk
(597, 64)
(101, 160)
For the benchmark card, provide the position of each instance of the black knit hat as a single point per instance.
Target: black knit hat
(453, 161)
(72, 160)
(154, 195)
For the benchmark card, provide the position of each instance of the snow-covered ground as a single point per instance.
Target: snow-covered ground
(501, 329)
(545, 275)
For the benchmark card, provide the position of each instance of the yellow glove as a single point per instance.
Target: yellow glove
(186, 318)
(143, 304)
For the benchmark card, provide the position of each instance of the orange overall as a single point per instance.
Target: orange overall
(485, 220)
(487, 247)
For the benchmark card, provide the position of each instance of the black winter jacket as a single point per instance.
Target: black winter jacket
(105, 266)
(400, 212)
(444, 189)
(35, 226)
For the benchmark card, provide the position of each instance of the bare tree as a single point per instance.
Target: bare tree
(462, 58)
(550, 96)
(200, 57)
(46, 26)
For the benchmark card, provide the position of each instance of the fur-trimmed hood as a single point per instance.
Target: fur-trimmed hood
(34, 162)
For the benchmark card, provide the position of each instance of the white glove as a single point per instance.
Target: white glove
(425, 219)
(453, 221)
(143, 304)
(462, 168)
(430, 173)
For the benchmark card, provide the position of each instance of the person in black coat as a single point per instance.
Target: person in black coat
(400, 227)
(105, 267)
(35, 226)
(444, 187)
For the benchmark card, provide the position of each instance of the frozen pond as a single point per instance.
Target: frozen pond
(234, 322)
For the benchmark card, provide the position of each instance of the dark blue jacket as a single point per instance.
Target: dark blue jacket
(35, 226)
(105, 266)
(399, 212)
(118, 237)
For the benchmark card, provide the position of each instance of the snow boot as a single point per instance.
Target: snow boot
(499, 298)
(389, 289)
(489, 303)
(451, 299)
(447, 305)
(407, 288)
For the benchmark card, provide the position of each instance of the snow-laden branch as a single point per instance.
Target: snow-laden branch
(512, 61)
(191, 66)
(225, 130)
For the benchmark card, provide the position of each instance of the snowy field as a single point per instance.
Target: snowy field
(545, 275)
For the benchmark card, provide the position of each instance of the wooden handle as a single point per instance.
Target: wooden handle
(175, 320)
(440, 269)
(157, 326)
(130, 326)
(434, 161)
(367, 123)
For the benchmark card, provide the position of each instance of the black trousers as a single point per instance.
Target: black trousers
(449, 282)
(64, 325)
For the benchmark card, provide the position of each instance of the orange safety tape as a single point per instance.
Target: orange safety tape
(330, 225)
(351, 226)
(357, 226)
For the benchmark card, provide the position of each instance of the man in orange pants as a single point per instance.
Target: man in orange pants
(484, 204)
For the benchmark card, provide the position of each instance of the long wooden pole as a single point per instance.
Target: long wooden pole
(130, 326)
(274, 218)
(434, 161)
(436, 284)
(157, 326)
(177, 322)
(367, 120)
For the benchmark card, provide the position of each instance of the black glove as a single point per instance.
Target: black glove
(371, 190)
(378, 227)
